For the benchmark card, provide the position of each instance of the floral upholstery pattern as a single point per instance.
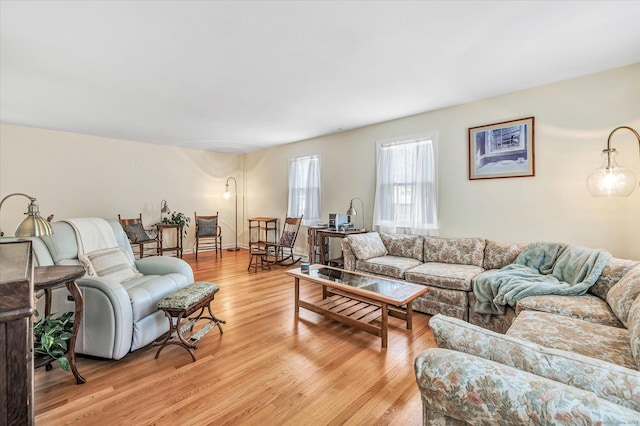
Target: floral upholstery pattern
(466, 388)
(588, 307)
(444, 275)
(497, 254)
(622, 295)
(348, 257)
(367, 246)
(391, 266)
(403, 245)
(463, 251)
(497, 323)
(634, 330)
(612, 273)
(574, 335)
(611, 382)
(452, 303)
(189, 295)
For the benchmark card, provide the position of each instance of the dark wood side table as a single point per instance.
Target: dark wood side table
(178, 247)
(49, 277)
(326, 233)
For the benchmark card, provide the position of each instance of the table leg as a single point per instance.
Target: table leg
(297, 295)
(78, 300)
(385, 322)
(409, 315)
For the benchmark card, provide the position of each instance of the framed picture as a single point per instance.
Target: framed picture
(502, 150)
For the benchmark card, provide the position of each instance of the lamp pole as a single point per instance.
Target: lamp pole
(227, 195)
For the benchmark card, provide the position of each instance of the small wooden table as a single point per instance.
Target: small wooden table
(178, 247)
(358, 299)
(49, 277)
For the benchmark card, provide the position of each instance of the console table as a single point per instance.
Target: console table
(178, 247)
(49, 277)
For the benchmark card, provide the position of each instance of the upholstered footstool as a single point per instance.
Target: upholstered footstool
(180, 305)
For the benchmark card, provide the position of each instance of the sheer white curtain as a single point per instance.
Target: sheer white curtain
(406, 187)
(304, 188)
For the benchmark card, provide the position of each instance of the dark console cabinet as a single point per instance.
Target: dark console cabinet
(16, 356)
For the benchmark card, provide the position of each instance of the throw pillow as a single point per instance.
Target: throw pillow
(367, 246)
(622, 295)
(207, 227)
(403, 245)
(136, 233)
(497, 254)
(109, 263)
(463, 251)
(287, 238)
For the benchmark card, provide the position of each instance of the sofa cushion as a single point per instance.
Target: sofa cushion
(611, 274)
(588, 307)
(622, 295)
(443, 275)
(497, 254)
(634, 330)
(463, 251)
(611, 382)
(610, 344)
(391, 266)
(367, 246)
(403, 245)
(111, 263)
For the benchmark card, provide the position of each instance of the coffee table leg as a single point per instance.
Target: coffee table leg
(409, 315)
(297, 295)
(384, 331)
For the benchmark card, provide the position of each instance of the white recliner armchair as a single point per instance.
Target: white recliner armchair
(118, 317)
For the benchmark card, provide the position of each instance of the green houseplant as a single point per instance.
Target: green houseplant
(51, 337)
(178, 218)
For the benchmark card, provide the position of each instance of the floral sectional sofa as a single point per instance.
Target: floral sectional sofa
(447, 267)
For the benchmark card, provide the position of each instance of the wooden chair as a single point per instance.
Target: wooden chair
(139, 236)
(208, 233)
(281, 253)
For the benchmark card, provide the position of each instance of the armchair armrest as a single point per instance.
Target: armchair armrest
(608, 381)
(164, 265)
(107, 322)
(482, 392)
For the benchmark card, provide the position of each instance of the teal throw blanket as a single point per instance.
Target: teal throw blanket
(541, 268)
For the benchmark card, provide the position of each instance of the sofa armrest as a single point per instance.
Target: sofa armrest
(612, 382)
(481, 392)
(163, 265)
(106, 329)
(348, 257)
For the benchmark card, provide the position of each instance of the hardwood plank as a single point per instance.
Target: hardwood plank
(269, 366)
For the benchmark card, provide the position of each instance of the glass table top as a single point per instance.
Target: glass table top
(374, 284)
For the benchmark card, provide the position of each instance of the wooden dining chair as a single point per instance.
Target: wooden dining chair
(146, 240)
(208, 234)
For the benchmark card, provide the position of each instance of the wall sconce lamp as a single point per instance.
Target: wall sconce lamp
(33, 225)
(351, 211)
(164, 209)
(227, 196)
(611, 180)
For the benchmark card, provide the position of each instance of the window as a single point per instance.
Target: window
(406, 186)
(304, 188)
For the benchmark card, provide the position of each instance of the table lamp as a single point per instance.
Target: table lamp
(33, 225)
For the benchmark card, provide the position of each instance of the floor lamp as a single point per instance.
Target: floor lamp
(227, 196)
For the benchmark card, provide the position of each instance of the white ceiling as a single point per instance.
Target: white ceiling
(238, 76)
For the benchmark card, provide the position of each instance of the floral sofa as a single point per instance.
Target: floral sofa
(573, 362)
(448, 265)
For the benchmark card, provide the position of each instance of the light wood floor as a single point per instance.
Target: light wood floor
(268, 367)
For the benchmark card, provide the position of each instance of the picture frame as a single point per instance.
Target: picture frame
(502, 150)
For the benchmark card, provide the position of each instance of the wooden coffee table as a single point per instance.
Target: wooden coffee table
(358, 299)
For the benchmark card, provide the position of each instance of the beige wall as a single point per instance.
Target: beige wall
(572, 121)
(74, 175)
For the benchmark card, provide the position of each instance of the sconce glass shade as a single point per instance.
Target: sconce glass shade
(227, 194)
(611, 180)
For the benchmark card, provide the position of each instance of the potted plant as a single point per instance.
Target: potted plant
(51, 337)
(178, 218)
